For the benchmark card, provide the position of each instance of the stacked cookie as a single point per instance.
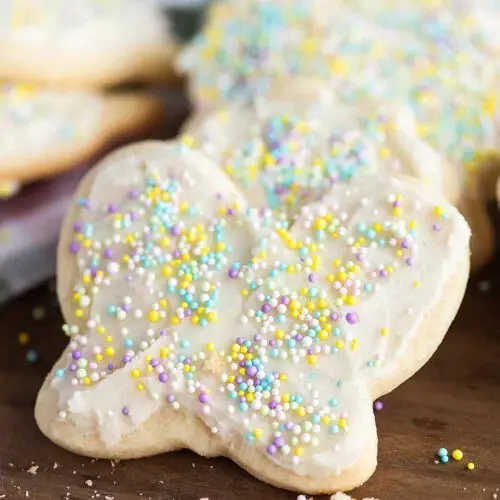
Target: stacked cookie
(57, 58)
(249, 289)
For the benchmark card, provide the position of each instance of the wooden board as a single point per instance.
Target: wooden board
(453, 402)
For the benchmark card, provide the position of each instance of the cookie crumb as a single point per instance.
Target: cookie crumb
(33, 470)
(89, 483)
(55, 466)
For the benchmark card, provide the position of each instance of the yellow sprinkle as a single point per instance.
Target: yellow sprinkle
(135, 373)
(257, 433)
(101, 330)
(297, 452)
(195, 320)
(354, 344)
(79, 313)
(471, 466)
(312, 359)
(167, 270)
(212, 317)
(416, 284)
(326, 419)
(301, 412)
(384, 332)
(342, 423)
(153, 316)
(210, 346)
(457, 454)
(164, 352)
(438, 210)
(140, 386)
(280, 334)
(283, 377)
(109, 351)
(285, 398)
(397, 211)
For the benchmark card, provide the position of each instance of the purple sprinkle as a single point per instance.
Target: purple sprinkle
(352, 318)
(170, 398)
(239, 340)
(289, 426)
(203, 398)
(125, 410)
(252, 371)
(299, 337)
(265, 308)
(134, 216)
(74, 247)
(73, 367)
(111, 367)
(257, 337)
(311, 278)
(175, 230)
(230, 211)
(404, 244)
(233, 273)
(409, 261)
(163, 377)
(272, 405)
(126, 359)
(112, 208)
(154, 362)
(76, 355)
(279, 442)
(133, 193)
(435, 226)
(239, 379)
(334, 316)
(126, 307)
(77, 226)
(383, 273)
(285, 300)
(378, 405)
(271, 449)
(108, 253)
(162, 332)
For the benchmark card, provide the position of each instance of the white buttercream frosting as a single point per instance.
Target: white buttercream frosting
(82, 23)
(35, 119)
(177, 292)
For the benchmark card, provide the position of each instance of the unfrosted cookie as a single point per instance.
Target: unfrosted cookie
(197, 322)
(84, 42)
(440, 62)
(48, 131)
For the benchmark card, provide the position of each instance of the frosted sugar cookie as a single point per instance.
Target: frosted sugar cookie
(84, 42)
(48, 131)
(441, 63)
(289, 146)
(195, 321)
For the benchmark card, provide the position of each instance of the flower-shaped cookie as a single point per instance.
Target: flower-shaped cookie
(439, 62)
(195, 321)
(85, 42)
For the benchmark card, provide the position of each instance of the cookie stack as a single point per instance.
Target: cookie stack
(57, 61)
(248, 289)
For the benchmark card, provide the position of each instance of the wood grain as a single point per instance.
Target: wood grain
(453, 402)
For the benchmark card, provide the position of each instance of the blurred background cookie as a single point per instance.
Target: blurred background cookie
(85, 42)
(48, 131)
